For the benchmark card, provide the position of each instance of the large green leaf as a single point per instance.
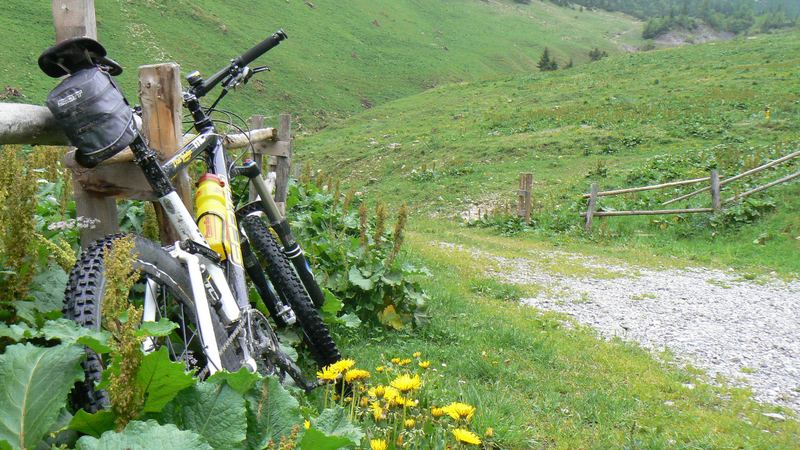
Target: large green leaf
(145, 436)
(92, 424)
(69, 332)
(161, 379)
(212, 410)
(241, 381)
(359, 280)
(157, 329)
(334, 422)
(34, 383)
(47, 289)
(317, 440)
(17, 331)
(271, 413)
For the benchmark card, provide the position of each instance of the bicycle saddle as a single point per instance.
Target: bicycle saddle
(76, 54)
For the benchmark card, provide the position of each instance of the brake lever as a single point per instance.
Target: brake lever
(250, 72)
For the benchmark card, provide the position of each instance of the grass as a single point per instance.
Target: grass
(624, 121)
(341, 57)
(541, 384)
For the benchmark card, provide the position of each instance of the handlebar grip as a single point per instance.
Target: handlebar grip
(263, 47)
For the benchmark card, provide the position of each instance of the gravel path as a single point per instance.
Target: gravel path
(746, 330)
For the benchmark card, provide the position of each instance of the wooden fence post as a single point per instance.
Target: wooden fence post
(525, 188)
(76, 18)
(716, 201)
(284, 163)
(592, 206)
(162, 102)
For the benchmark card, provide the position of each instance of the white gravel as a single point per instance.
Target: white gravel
(745, 330)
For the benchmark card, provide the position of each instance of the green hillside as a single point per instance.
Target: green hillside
(341, 56)
(624, 121)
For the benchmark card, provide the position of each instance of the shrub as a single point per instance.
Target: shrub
(356, 258)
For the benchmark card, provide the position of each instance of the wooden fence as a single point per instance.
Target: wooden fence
(715, 185)
(97, 189)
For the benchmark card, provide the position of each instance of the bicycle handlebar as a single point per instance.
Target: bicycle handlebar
(241, 61)
(263, 47)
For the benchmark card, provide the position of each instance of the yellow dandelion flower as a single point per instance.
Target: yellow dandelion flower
(379, 369)
(328, 374)
(409, 423)
(395, 360)
(417, 354)
(306, 424)
(390, 393)
(336, 397)
(356, 375)
(405, 383)
(489, 432)
(377, 391)
(348, 399)
(437, 412)
(458, 411)
(343, 365)
(378, 444)
(466, 436)
(377, 411)
(406, 401)
(363, 402)
(404, 362)
(424, 364)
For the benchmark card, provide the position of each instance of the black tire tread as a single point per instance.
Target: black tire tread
(83, 304)
(286, 281)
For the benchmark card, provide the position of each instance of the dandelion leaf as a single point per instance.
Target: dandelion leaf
(145, 436)
(271, 413)
(334, 422)
(34, 383)
(213, 410)
(161, 379)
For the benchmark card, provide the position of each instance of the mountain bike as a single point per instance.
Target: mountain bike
(201, 283)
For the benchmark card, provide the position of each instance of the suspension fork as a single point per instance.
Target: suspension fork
(281, 226)
(265, 290)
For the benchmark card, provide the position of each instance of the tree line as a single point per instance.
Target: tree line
(735, 16)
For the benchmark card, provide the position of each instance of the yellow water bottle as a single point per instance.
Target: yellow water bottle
(210, 204)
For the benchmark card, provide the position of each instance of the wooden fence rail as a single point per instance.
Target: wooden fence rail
(734, 178)
(715, 187)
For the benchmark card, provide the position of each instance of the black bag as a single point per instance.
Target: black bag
(93, 114)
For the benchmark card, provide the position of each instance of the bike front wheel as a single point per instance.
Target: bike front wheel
(290, 288)
(164, 283)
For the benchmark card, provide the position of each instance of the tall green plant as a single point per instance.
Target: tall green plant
(356, 257)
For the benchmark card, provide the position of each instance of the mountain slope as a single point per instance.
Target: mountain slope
(341, 56)
(624, 121)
